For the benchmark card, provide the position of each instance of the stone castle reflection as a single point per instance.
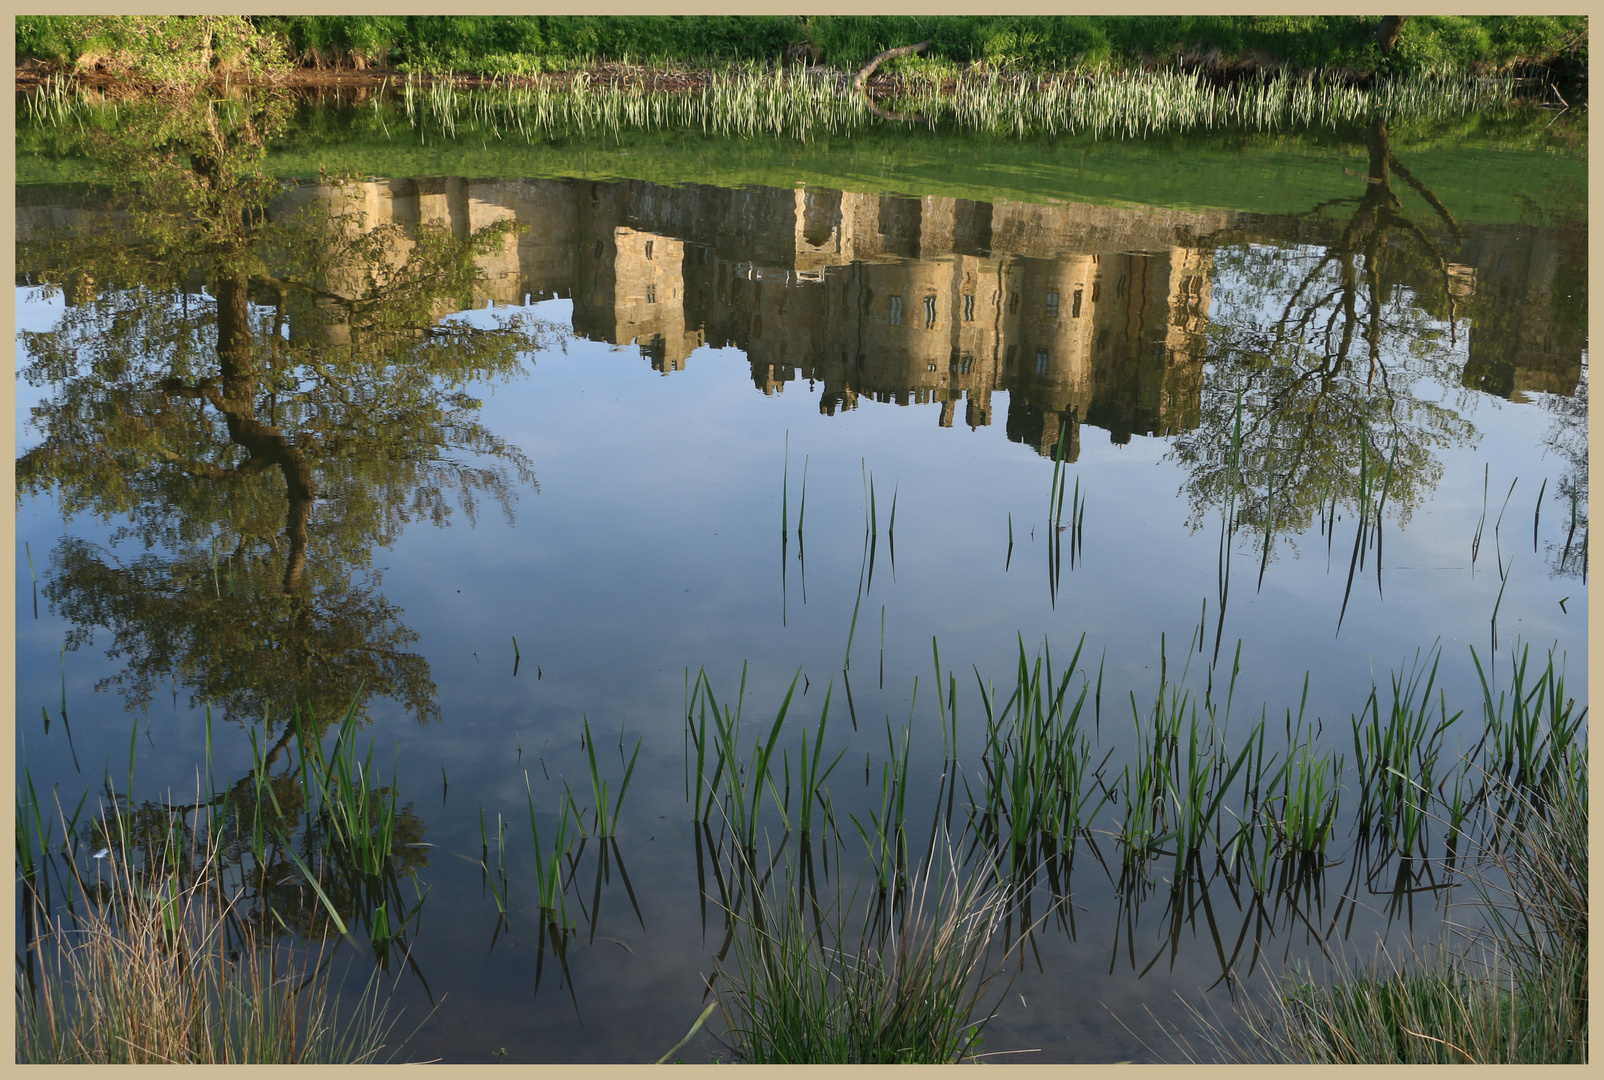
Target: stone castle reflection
(1080, 313)
(932, 300)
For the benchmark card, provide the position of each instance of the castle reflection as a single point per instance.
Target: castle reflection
(1082, 314)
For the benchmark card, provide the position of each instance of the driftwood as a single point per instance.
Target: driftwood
(860, 81)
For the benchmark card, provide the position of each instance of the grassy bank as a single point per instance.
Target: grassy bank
(1485, 165)
(1550, 46)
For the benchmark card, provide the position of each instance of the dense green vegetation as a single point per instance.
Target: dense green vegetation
(503, 44)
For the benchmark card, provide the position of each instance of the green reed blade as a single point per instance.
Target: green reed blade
(846, 664)
(624, 784)
(1475, 541)
(1537, 513)
(802, 506)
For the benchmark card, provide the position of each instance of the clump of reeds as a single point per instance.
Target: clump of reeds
(754, 100)
(155, 971)
(1037, 761)
(1515, 993)
(1436, 1014)
(910, 991)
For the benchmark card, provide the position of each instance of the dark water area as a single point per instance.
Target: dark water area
(508, 459)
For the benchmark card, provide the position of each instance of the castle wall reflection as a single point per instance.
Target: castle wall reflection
(1083, 314)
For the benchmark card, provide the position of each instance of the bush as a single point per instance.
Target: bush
(168, 50)
(506, 44)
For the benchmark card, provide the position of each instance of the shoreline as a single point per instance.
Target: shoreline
(32, 77)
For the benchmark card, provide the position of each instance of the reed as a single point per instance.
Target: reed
(548, 861)
(1481, 522)
(909, 990)
(159, 971)
(812, 777)
(1228, 522)
(1514, 991)
(802, 503)
(748, 100)
(1396, 757)
(34, 580)
(736, 786)
(852, 629)
(1197, 788)
(886, 836)
(1037, 763)
(495, 881)
(1537, 514)
(1536, 902)
(1531, 729)
(360, 815)
(1311, 795)
(1269, 523)
(604, 810)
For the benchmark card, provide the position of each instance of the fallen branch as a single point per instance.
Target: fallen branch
(861, 79)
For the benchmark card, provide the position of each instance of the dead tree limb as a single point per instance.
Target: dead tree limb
(860, 81)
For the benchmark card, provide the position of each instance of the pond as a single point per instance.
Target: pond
(515, 459)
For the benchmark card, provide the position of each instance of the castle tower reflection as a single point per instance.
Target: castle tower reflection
(1079, 313)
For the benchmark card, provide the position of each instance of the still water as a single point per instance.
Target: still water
(509, 457)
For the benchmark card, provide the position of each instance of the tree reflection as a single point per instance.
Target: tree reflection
(1567, 440)
(1320, 360)
(256, 386)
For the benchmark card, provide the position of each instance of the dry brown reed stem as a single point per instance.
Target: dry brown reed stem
(153, 970)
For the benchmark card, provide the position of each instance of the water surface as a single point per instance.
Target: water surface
(499, 449)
